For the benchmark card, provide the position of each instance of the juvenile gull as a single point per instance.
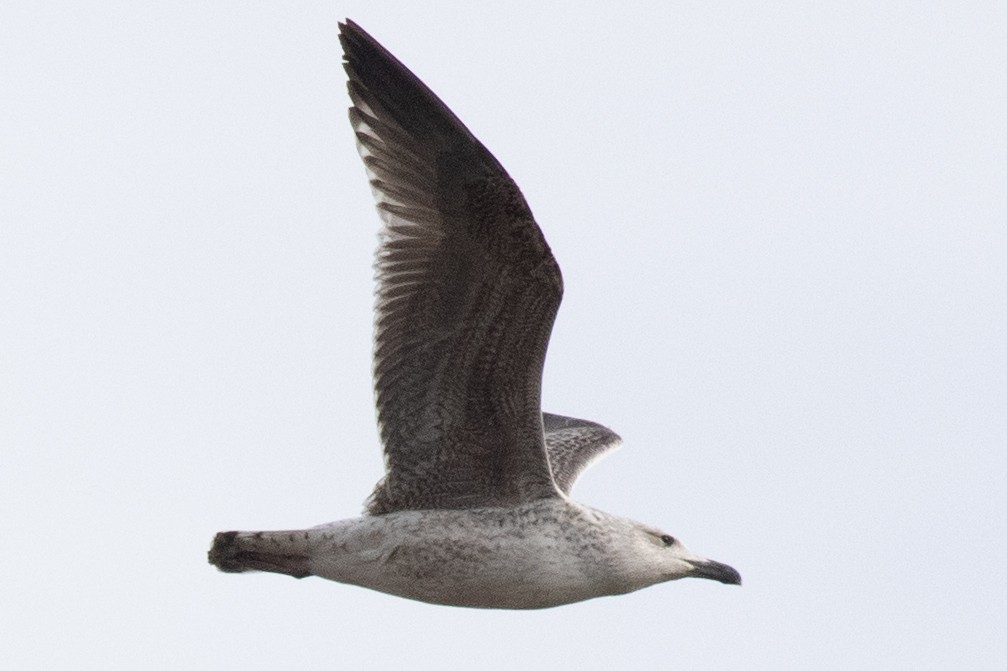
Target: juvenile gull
(473, 509)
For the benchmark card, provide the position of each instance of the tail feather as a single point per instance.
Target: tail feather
(275, 552)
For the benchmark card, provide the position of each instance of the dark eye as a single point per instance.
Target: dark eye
(668, 540)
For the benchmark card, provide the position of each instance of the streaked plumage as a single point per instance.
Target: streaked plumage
(473, 508)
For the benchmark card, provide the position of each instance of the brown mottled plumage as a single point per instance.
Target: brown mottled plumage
(473, 509)
(467, 294)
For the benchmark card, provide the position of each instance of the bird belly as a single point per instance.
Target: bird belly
(461, 558)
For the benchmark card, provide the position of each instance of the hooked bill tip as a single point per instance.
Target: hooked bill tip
(714, 570)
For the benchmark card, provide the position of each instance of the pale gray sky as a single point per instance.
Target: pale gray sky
(783, 232)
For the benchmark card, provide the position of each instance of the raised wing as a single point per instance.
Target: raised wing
(573, 445)
(467, 294)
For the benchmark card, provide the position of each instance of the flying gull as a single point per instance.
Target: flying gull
(474, 507)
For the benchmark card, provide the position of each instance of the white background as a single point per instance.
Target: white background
(783, 233)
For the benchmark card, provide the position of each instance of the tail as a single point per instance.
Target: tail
(283, 552)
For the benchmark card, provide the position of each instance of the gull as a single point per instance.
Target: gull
(474, 507)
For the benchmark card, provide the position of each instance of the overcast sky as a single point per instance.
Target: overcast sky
(783, 233)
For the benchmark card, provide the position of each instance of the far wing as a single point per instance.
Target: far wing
(573, 445)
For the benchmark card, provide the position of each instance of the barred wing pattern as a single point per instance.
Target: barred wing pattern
(467, 294)
(573, 445)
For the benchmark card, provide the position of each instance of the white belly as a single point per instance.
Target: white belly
(535, 556)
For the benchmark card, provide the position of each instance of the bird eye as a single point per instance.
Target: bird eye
(668, 540)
